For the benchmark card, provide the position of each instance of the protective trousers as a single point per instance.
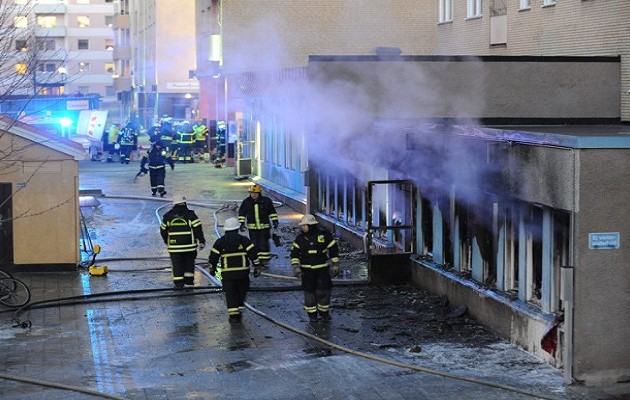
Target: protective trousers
(260, 239)
(235, 294)
(317, 287)
(183, 268)
(157, 179)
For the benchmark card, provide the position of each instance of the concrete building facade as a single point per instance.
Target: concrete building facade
(264, 84)
(70, 44)
(157, 59)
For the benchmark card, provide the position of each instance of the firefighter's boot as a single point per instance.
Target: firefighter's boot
(325, 316)
(312, 317)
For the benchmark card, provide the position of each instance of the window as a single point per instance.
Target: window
(46, 21)
(446, 11)
(46, 44)
(109, 21)
(83, 44)
(84, 89)
(109, 68)
(549, 2)
(525, 4)
(21, 45)
(20, 22)
(46, 67)
(21, 68)
(83, 21)
(474, 8)
(109, 44)
(84, 67)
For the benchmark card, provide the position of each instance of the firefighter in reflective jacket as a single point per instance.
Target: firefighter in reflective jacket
(258, 214)
(310, 253)
(232, 252)
(182, 233)
(157, 158)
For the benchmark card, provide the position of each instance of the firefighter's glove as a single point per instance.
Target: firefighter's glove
(334, 268)
(201, 245)
(212, 270)
(297, 270)
(242, 227)
(256, 271)
(144, 170)
(275, 224)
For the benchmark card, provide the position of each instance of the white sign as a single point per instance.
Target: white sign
(604, 240)
(73, 105)
(186, 85)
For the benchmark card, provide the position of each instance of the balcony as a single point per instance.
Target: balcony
(122, 53)
(49, 9)
(122, 84)
(59, 31)
(122, 22)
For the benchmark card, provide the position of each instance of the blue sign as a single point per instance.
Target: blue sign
(605, 240)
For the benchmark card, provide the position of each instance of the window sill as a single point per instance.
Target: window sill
(473, 18)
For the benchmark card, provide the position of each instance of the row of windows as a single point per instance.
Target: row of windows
(474, 8)
(82, 68)
(50, 44)
(51, 21)
(512, 247)
(24, 2)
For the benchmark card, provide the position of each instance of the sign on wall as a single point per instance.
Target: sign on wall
(604, 240)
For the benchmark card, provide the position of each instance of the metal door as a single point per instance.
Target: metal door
(245, 147)
(390, 230)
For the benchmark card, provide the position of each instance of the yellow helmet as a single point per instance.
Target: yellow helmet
(254, 189)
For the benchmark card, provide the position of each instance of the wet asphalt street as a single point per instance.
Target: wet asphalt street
(142, 340)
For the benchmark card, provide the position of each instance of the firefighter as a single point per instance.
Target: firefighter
(201, 139)
(166, 134)
(233, 253)
(186, 143)
(110, 142)
(128, 140)
(310, 255)
(182, 233)
(157, 158)
(258, 214)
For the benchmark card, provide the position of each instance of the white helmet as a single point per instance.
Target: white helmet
(308, 219)
(231, 224)
(179, 200)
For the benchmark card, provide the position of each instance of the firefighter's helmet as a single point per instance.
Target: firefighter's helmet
(308, 219)
(231, 224)
(179, 200)
(254, 189)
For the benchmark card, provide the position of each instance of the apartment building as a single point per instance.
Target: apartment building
(156, 57)
(308, 85)
(72, 45)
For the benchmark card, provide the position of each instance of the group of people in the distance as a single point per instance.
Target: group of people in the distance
(314, 252)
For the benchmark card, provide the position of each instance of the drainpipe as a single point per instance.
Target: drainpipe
(568, 280)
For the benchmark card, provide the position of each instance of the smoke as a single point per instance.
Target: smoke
(358, 113)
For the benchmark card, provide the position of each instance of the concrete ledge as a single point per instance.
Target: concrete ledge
(521, 323)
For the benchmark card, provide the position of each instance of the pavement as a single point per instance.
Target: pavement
(129, 335)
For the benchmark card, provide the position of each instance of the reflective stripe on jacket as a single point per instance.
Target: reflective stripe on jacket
(314, 248)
